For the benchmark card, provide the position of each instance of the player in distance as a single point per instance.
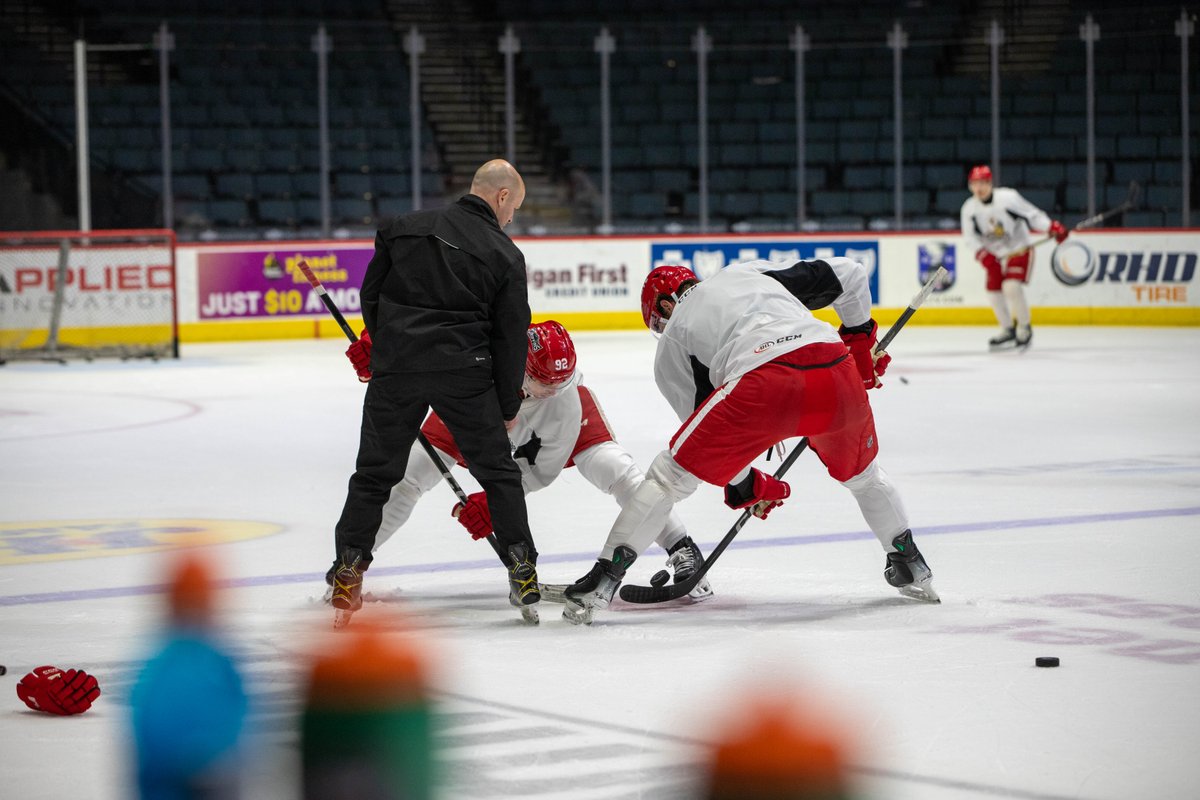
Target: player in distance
(998, 222)
(745, 364)
(560, 424)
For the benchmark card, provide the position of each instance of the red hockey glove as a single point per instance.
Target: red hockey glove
(759, 491)
(861, 340)
(1058, 231)
(77, 691)
(474, 516)
(53, 691)
(359, 354)
(988, 260)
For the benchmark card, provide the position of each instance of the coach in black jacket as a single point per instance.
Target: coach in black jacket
(446, 312)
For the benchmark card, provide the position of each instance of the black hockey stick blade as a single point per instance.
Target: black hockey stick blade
(1131, 199)
(660, 594)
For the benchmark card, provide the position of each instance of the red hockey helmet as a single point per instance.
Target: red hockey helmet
(982, 172)
(551, 357)
(662, 284)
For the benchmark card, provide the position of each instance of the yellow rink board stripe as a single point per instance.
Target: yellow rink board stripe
(226, 331)
(318, 328)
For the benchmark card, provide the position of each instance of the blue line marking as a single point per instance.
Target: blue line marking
(562, 558)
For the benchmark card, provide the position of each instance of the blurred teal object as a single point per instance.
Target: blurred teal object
(189, 708)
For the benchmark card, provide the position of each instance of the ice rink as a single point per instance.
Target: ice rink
(1055, 494)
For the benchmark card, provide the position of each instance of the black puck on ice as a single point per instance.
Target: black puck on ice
(660, 578)
(1046, 661)
(3, 670)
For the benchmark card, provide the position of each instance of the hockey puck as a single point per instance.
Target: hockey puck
(660, 578)
(1046, 661)
(904, 380)
(3, 670)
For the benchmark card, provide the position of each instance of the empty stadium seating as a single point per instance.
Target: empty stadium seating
(245, 132)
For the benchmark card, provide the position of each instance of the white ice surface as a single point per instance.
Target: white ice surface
(1054, 493)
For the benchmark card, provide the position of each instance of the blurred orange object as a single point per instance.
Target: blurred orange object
(192, 596)
(781, 753)
(368, 667)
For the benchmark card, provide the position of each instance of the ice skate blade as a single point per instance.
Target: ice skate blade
(529, 613)
(341, 618)
(921, 592)
(576, 614)
(701, 591)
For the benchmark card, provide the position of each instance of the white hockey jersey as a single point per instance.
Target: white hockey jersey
(1003, 226)
(545, 434)
(751, 313)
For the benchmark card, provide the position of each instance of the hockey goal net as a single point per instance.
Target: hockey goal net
(68, 294)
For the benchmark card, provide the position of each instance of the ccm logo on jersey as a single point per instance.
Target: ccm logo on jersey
(781, 340)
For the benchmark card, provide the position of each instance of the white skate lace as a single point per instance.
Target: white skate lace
(683, 563)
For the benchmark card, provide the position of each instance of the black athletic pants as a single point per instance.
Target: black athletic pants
(394, 408)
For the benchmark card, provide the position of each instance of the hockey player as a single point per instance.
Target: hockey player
(745, 364)
(560, 424)
(997, 222)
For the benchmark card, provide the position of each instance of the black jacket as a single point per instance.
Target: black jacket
(446, 290)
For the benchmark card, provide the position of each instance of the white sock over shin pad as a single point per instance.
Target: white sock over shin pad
(1000, 308)
(612, 470)
(1014, 293)
(646, 513)
(420, 476)
(880, 503)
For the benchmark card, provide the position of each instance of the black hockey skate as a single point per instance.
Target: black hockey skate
(329, 581)
(1006, 338)
(684, 558)
(907, 571)
(1024, 337)
(596, 589)
(523, 592)
(347, 586)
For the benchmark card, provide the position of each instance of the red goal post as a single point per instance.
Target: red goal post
(70, 294)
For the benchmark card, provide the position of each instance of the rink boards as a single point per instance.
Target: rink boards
(1119, 277)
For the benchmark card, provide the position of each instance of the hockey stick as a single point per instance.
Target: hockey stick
(327, 300)
(346, 329)
(1130, 203)
(458, 491)
(660, 594)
